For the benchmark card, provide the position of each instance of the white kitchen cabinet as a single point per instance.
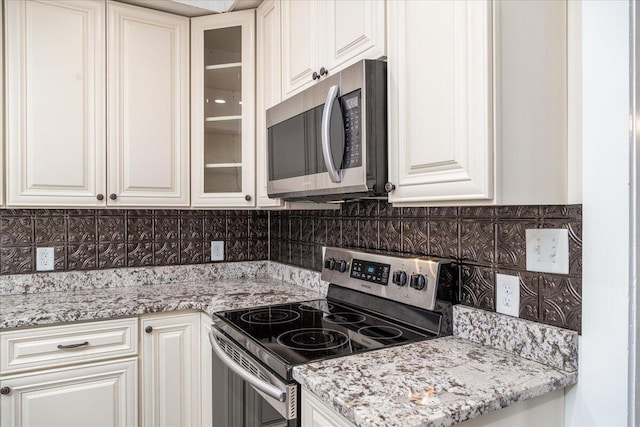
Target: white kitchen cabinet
(223, 110)
(321, 36)
(55, 102)
(315, 413)
(206, 372)
(148, 107)
(268, 89)
(99, 394)
(170, 366)
(477, 107)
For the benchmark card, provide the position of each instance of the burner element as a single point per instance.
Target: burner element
(380, 332)
(313, 339)
(344, 318)
(269, 316)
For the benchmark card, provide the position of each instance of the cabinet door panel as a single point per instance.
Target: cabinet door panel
(101, 394)
(301, 23)
(441, 142)
(355, 29)
(55, 103)
(148, 59)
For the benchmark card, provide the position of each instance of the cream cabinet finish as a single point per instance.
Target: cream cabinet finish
(148, 107)
(223, 134)
(330, 34)
(315, 413)
(55, 102)
(477, 107)
(268, 89)
(170, 366)
(99, 394)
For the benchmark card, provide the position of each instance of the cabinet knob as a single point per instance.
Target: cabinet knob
(113, 196)
(323, 71)
(100, 197)
(389, 187)
(315, 76)
(5, 390)
(148, 329)
(247, 198)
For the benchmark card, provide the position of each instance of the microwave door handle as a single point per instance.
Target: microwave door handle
(258, 383)
(334, 174)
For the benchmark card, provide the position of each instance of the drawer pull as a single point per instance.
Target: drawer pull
(65, 347)
(5, 390)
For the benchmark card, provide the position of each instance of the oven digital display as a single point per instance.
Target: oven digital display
(370, 271)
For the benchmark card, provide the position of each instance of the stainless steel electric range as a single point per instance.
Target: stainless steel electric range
(374, 301)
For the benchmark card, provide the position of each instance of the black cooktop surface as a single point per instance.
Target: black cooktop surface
(320, 329)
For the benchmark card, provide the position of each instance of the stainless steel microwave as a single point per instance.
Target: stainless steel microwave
(329, 142)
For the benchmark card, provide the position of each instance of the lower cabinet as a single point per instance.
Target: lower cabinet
(315, 413)
(170, 366)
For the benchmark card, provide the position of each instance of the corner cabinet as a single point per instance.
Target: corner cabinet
(223, 110)
(477, 109)
(324, 36)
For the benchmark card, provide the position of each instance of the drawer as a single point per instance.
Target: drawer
(53, 346)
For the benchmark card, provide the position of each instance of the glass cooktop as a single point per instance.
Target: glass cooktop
(320, 329)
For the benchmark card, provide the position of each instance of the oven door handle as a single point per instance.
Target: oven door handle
(334, 174)
(256, 382)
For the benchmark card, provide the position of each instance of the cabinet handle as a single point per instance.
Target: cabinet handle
(315, 76)
(65, 347)
(5, 390)
(247, 198)
(100, 197)
(389, 187)
(113, 196)
(323, 72)
(148, 329)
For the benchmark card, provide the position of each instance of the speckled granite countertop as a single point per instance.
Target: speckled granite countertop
(81, 297)
(457, 378)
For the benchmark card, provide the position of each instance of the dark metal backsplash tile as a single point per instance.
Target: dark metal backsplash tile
(483, 241)
(88, 239)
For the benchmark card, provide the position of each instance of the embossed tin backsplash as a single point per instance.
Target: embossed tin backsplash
(90, 239)
(482, 240)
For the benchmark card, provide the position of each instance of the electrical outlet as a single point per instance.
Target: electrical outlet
(508, 294)
(45, 259)
(217, 250)
(548, 250)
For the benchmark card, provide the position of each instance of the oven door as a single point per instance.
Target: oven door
(275, 401)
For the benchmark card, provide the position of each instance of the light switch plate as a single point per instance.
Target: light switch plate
(508, 294)
(45, 259)
(217, 250)
(548, 250)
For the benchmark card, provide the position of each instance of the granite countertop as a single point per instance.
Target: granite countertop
(453, 378)
(82, 302)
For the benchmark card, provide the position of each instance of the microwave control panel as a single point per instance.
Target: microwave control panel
(352, 112)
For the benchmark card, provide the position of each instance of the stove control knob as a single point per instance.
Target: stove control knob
(418, 282)
(341, 266)
(329, 263)
(400, 278)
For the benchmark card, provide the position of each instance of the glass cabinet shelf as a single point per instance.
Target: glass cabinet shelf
(223, 165)
(223, 66)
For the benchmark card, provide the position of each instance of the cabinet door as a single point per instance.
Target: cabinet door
(148, 105)
(440, 101)
(55, 112)
(315, 413)
(302, 22)
(101, 394)
(223, 110)
(171, 370)
(268, 89)
(355, 30)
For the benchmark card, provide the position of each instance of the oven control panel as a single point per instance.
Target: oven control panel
(411, 281)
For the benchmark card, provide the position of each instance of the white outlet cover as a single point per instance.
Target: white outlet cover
(45, 259)
(217, 250)
(548, 250)
(508, 294)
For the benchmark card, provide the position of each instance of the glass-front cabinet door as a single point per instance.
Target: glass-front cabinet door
(222, 110)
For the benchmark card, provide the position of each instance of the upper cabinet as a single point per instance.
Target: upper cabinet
(57, 148)
(223, 110)
(324, 36)
(148, 107)
(478, 107)
(55, 103)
